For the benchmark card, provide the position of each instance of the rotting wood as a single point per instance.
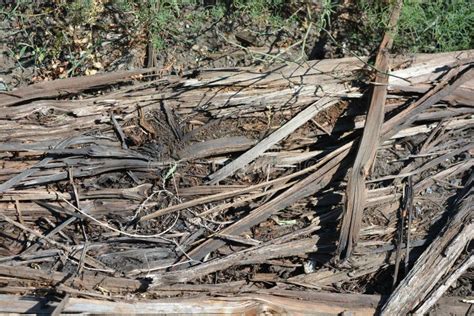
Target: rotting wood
(301, 189)
(301, 118)
(437, 259)
(442, 288)
(65, 87)
(284, 246)
(229, 231)
(356, 191)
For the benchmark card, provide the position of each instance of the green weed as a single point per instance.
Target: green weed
(80, 11)
(324, 19)
(262, 10)
(436, 25)
(217, 12)
(424, 26)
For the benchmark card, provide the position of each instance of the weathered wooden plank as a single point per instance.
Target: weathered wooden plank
(449, 82)
(268, 301)
(442, 288)
(242, 304)
(87, 280)
(356, 191)
(277, 248)
(265, 144)
(62, 87)
(437, 259)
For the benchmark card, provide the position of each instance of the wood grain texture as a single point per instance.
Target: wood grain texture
(265, 144)
(437, 259)
(356, 191)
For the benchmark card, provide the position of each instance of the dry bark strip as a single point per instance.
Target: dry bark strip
(356, 191)
(437, 259)
(214, 147)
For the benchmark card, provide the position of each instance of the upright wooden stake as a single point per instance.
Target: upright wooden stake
(356, 191)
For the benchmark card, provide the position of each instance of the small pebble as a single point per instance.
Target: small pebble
(3, 85)
(418, 211)
(308, 266)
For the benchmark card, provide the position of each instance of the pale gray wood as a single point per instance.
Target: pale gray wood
(437, 259)
(250, 155)
(436, 295)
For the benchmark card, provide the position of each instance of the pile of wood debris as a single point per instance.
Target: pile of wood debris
(287, 189)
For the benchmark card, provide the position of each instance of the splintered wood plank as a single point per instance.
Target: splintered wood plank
(88, 280)
(248, 257)
(279, 302)
(255, 304)
(461, 73)
(437, 259)
(62, 87)
(134, 193)
(425, 69)
(356, 191)
(442, 288)
(327, 169)
(277, 248)
(293, 124)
